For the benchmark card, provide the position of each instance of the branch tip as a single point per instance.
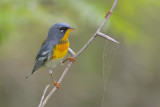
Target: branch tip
(106, 37)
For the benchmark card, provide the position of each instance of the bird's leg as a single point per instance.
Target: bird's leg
(55, 83)
(69, 58)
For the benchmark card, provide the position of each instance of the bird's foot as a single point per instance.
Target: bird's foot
(57, 84)
(69, 58)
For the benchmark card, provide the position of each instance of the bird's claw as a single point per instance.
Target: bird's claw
(57, 84)
(69, 58)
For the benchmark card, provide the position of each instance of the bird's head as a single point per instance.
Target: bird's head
(60, 31)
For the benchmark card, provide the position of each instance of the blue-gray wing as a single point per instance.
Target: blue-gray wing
(44, 54)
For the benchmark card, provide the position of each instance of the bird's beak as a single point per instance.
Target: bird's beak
(71, 29)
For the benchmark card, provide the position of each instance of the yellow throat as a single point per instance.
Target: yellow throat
(60, 50)
(65, 37)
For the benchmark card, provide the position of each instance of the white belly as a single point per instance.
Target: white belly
(53, 63)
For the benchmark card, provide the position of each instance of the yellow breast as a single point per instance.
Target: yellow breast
(60, 50)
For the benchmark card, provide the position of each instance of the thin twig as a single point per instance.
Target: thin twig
(107, 37)
(71, 52)
(81, 50)
(40, 104)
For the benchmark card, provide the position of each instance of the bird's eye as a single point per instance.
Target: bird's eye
(63, 28)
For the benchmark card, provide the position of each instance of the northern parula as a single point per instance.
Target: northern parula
(54, 48)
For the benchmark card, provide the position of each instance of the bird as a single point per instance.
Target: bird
(53, 49)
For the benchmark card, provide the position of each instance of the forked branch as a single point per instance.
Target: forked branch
(75, 55)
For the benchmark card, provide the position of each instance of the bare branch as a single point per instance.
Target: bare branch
(86, 45)
(107, 37)
(108, 16)
(71, 52)
(55, 88)
(48, 96)
(114, 5)
(97, 33)
(40, 104)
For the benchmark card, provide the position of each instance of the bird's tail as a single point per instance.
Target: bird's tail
(29, 73)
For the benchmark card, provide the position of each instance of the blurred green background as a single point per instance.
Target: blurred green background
(134, 79)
